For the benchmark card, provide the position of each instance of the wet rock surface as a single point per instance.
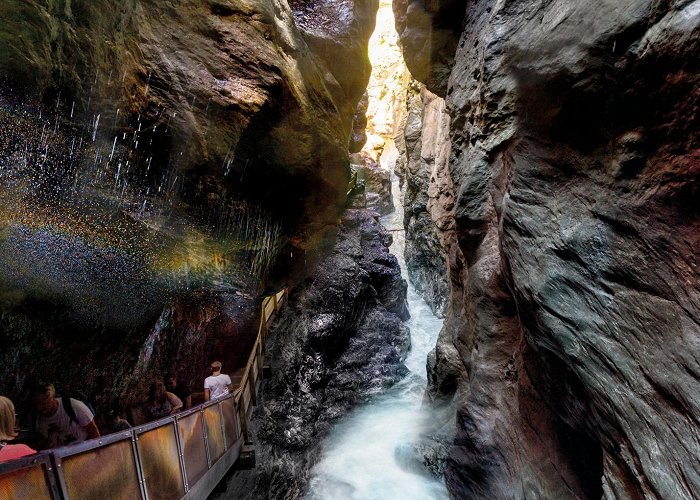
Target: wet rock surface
(200, 107)
(424, 148)
(339, 340)
(574, 298)
(376, 181)
(250, 91)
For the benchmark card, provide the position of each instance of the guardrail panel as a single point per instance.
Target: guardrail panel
(161, 464)
(193, 446)
(230, 421)
(29, 482)
(106, 473)
(245, 399)
(269, 309)
(215, 432)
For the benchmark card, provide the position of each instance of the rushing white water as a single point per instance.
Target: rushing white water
(362, 457)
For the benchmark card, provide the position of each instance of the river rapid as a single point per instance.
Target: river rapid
(365, 455)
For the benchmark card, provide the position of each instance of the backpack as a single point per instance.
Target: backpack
(68, 406)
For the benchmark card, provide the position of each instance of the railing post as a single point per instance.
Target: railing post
(206, 437)
(137, 463)
(181, 456)
(243, 420)
(51, 473)
(223, 425)
(251, 385)
(56, 461)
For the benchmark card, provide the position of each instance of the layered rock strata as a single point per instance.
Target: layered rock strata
(575, 164)
(339, 339)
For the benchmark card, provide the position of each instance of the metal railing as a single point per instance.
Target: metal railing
(181, 456)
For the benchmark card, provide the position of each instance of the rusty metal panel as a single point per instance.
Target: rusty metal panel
(215, 432)
(161, 464)
(193, 447)
(106, 473)
(230, 421)
(28, 482)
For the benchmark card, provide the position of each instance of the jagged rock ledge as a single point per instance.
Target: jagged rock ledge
(339, 340)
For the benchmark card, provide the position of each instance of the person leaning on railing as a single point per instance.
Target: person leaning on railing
(8, 433)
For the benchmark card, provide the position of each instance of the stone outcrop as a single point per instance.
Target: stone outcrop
(231, 92)
(376, 182)
(429, 31)
(200, 107)
(339, 339)
(574, 285)
(424, 148)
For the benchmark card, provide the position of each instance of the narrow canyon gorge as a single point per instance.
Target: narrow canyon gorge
(480, 212)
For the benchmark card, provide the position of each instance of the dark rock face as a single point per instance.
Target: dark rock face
(575, 302)
(428, 199)
(205, 105)
(359, 125)
(188, 335)
(339, 340)
(429, 31)
(256, 90)
(376, 181)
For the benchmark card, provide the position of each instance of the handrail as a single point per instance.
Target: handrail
(50, 474)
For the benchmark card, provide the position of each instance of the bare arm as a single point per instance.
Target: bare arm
(91, 429)
(206, 394)
(188, 401)
(175, 402)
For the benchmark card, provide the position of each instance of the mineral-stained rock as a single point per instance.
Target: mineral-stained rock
(575, 308)
(339, 340)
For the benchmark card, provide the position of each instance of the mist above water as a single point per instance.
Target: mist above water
(369, 454)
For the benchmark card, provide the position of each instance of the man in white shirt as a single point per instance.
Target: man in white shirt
(218, 384)
(59, 426)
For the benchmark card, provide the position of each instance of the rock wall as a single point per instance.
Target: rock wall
(203, 106)
(422, 165)
(339, 339)
(242, 92)
(574, 164)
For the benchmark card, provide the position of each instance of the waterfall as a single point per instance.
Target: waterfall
(368, 454)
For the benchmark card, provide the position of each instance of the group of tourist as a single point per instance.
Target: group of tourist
(60, 421)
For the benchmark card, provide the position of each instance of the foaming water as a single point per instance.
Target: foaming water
(368, 453)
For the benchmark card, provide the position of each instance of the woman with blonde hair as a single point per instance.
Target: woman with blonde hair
(7, 433)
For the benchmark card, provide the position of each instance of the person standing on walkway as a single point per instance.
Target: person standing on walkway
(162, 403)
(61, 421)
(180, 389)
(218, 384)
(9, 451)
